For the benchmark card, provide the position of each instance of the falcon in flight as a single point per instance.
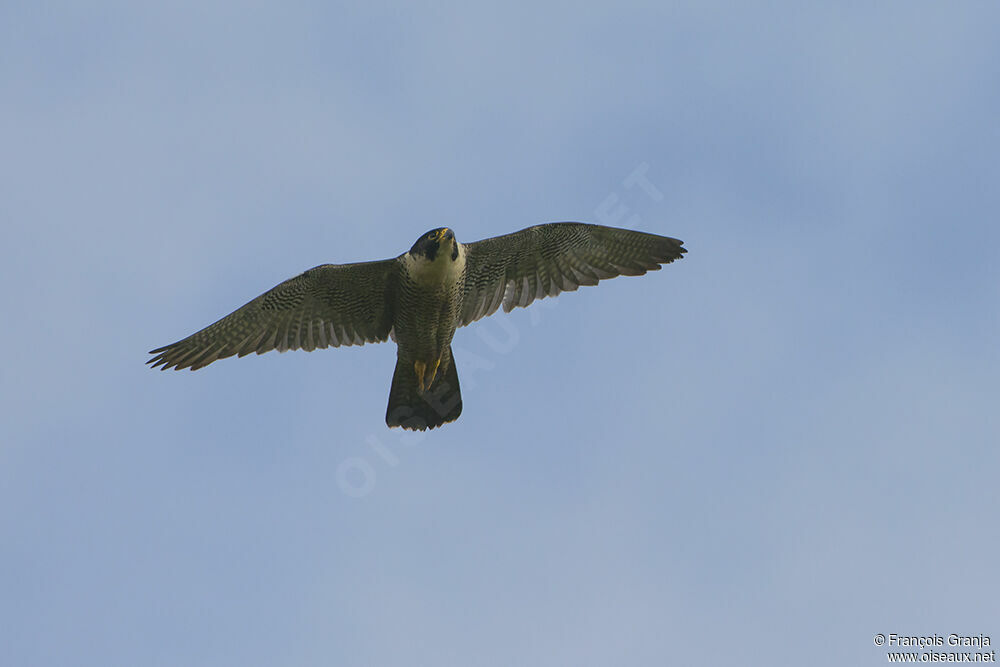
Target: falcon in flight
(419, 299)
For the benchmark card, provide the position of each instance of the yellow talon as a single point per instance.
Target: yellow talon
(425, 379)
(433, 373)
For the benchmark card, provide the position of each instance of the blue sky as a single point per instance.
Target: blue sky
(765, 453)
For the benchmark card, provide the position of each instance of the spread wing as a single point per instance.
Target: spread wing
(545, 260)
(327, 306)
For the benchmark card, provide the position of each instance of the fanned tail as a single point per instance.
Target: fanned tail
(415, 410)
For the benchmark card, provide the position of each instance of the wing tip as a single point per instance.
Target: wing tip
(163, 361)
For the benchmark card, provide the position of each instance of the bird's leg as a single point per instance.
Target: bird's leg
(425, 375)
(420, 367)
(433, 373)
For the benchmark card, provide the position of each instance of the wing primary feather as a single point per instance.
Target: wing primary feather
(545, 260)
(321, 334)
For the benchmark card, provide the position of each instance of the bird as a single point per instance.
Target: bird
(419, 299)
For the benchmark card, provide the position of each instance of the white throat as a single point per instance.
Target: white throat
(442, 269)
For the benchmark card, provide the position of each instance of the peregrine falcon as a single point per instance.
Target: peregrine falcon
(419, 299)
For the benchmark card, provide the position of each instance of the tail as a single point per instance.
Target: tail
(415, 410)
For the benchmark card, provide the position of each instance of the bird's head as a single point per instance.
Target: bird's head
(434, 242)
